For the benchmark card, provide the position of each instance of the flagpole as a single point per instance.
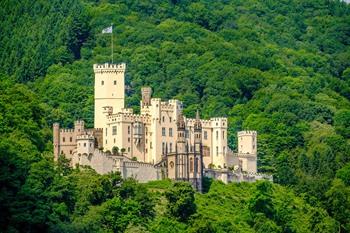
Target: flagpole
(112, 42)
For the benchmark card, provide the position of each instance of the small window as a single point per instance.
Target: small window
(106, 141)
(115, 82)
(128, 129)
(170, 132)
(102, 83)
(223, 134)
(106, 131)
(128, 139)
(217, 135)
(170, 119)
(114, 130)
(70, 152)
(163, 131)
(217, 151)
(170, 147)
(128, 149)
(205, 135)
(114, 140)
(163, 119)
(84, 144)
(70, 139)
(63, 139)
(191, 164)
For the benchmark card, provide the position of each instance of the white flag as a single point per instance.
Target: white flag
(107, 30)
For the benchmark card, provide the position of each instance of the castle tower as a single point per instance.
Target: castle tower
(247, 150)
(146, 93)
(181, 140)
(56, 140)
(219, 141)
(197, 130)
(109, 90)
(181, 150)
(85, 149)
(247, 142)
(198, 155)
(79, 127)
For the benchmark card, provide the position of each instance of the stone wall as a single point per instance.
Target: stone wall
(143, 172)
(228, 176)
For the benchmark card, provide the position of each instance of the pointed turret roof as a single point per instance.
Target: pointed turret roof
(180, 122)
(197, 123)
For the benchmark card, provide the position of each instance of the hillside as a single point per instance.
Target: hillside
(279, 67)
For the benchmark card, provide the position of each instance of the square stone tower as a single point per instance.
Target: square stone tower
(109, 91)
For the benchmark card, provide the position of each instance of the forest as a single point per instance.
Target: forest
(279, 67)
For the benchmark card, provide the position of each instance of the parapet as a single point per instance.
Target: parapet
(67, 130)
(85, 137)
(219, 122)
(247, 133)
(191, 121)
(109, 68)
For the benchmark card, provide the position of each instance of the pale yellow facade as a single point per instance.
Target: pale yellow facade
(109, 91)
(147, 136)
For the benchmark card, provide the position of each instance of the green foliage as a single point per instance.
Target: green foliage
(181, 201)
(278, 67)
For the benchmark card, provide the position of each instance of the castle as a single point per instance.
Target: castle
(157, 143)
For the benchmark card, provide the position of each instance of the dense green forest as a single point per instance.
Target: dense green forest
(279, 67)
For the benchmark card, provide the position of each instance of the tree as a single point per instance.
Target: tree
(63, 165)
(261, 202)
(338, 202)
(115, 150)
(181, 201)
(122, 150)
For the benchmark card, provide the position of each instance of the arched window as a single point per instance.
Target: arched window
(191, 164)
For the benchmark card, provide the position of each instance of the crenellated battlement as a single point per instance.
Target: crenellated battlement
(137, 164)
(67, 130)
(219, 119)
(85, 137)
(156, 99)
(118, 117)
(246, 133)
(191, 121)
(109, 68)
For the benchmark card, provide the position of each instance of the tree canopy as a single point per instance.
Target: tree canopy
(279, 67)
